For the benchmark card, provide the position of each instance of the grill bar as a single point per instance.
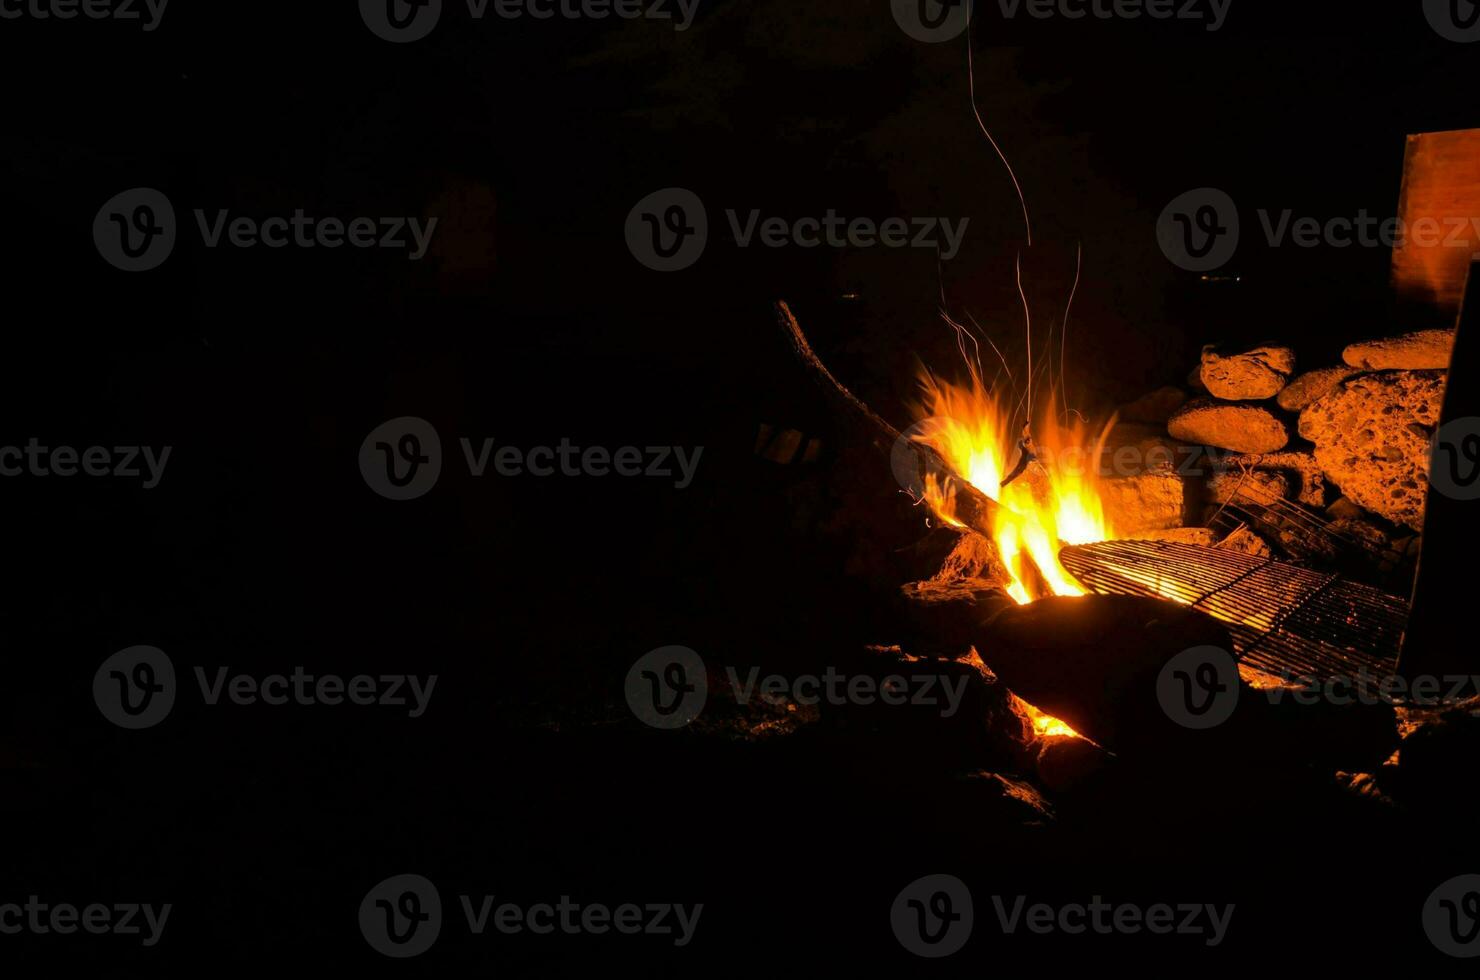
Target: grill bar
(1283, 618)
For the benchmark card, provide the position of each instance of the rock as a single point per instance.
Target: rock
(1096, 661)
(1437, 760)
(1184, 535)
(1364, 786)
(1246, 542)
(1066, 763)
(983, 729)
(1424, 350)
(944, 615)
(1012, 799)
(1364, 532)
(1262, 487)
(946, 608)
(1344, 507)
(1146, 502)
(1308, 543)
(1313, 385)
(1241, 428)
(1154, 407)
(1251, 376)
(1301, 467)
(1194, 380)
(1134, 448)
(973, 557)
(1371, 437)
(1093, 661)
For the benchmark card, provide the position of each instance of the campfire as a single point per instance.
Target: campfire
(1068, 586)
(1040, 475)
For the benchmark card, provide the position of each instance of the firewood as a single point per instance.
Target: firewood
(973, 508)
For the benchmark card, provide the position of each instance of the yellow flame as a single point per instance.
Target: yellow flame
(1055, 502)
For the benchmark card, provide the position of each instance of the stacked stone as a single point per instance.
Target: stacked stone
(1366, 425)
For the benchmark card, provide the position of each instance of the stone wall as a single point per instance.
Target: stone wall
(1344, 446)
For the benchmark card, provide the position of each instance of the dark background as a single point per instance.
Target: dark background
(531, 321)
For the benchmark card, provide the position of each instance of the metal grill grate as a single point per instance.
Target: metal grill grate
(1283, 618)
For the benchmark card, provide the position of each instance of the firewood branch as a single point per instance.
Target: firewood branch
(973, 508)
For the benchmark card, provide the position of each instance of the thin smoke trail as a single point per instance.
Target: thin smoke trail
(971, 83)
(1064, 330)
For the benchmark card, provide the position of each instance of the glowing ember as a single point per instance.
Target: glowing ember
(1047, 726)
(1052, 503)
(1044, 725)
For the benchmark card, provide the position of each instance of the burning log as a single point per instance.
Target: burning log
(1094, 662)
(973, 509)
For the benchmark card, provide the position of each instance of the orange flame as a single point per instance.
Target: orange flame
(1045, 725)
(1052, 503)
